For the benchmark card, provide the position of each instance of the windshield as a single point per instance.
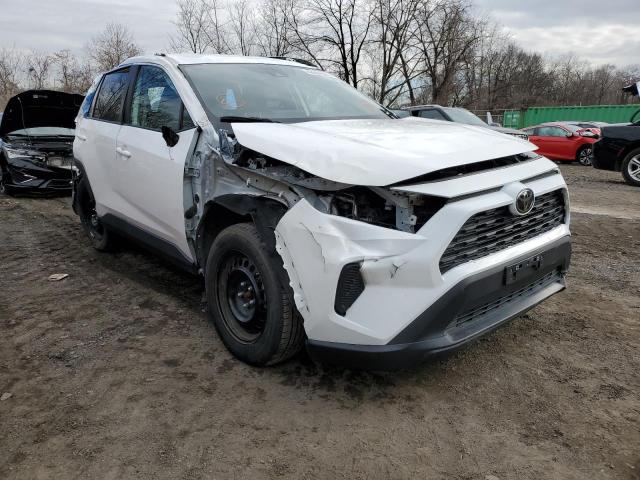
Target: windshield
(280, 93)
(44, 132)
(461, 115)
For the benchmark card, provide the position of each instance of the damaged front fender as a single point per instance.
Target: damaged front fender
(315, 246)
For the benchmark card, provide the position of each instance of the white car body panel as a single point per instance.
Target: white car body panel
(400, 270)
(95, 146)
(376, 152)
(150, 182)
(478, 182)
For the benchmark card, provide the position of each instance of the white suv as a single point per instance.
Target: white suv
(316, 215)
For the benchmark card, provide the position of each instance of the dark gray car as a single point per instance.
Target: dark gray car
(459, 115)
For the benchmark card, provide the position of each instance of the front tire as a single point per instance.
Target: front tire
(249, 300)
(631, 168)
(585, 156)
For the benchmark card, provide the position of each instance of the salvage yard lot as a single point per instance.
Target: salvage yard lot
(114, 372)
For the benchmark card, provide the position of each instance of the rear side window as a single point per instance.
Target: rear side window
(85, 108)
(110, 99)
(551, 132)
(432, 114)
(156, 103)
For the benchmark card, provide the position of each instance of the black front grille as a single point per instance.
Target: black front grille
(481, 311)
(494, 230)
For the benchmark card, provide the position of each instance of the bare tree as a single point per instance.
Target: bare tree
(333, 32)
(200, 27)
(392, 22)
(217, 28)
(112, 46)
(243, 26)
(446, 34)
(74, 75)
(274, 38)
(10, 66)
(38, 65)
(192, 24)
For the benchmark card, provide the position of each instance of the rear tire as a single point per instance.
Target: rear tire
(249, 299)
(631, 168)
(101, 238)
(584, 156)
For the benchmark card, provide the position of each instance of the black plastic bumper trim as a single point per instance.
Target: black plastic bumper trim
(431, 333)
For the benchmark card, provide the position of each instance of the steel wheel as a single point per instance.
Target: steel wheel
(95, 228)
(585, 156)
(241, 297)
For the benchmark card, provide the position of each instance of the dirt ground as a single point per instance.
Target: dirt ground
(115, 373)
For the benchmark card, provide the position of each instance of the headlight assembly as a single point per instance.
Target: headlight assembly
(17, 153)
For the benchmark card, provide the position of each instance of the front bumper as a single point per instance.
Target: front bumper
(29, 178)
(473, 307)
(605, 155)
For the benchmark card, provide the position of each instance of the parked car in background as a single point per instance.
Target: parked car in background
(585, 128)
(400, 113)
(619, 150)
(459, 115)
(36, 142)
(564, 142)
(313, 213)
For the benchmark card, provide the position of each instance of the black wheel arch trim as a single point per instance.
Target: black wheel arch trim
(264, 212)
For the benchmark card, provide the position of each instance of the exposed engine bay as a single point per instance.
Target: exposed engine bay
(379, 206)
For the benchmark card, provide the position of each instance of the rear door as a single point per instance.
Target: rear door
(150, 182)
(95, 142)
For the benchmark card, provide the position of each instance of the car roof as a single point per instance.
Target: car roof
(195, 59)
(550, 124)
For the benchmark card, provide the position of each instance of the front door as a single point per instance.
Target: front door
(554, 142)
(152, 173)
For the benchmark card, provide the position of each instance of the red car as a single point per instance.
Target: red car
(563, 141)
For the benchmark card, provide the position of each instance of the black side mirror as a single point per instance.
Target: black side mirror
(170, 136)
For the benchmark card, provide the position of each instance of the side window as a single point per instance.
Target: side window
(432, 113)
(529, 131)
(187, 123)
(551, 132)
(156, 102)
(110, 99)
(85, 108)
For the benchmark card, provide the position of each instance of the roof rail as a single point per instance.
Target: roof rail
(297, 60)
(410, 107)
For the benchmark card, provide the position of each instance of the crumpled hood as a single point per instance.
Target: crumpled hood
(40, 108)
(376, 152)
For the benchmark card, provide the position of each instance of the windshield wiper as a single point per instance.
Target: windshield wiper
(232, 119)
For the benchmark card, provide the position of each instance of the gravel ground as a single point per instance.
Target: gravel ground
(115, 373)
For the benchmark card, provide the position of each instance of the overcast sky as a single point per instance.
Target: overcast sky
(601, 31)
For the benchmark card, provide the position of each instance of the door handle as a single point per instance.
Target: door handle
(81, 137)
(124, 153)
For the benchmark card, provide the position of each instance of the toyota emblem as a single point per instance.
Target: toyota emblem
(524, 201)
